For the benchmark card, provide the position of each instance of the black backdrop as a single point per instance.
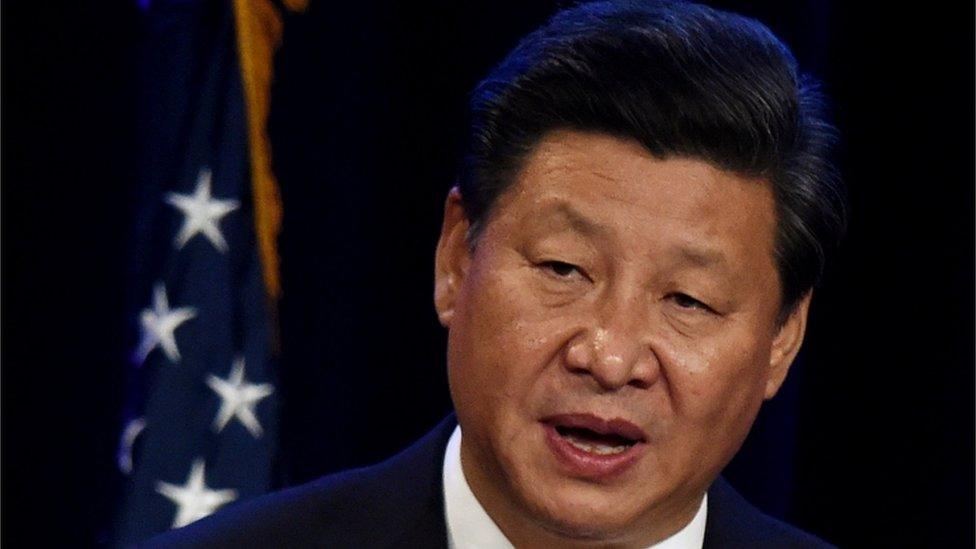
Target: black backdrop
(366, 123)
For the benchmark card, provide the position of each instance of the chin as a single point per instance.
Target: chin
(576, 514)
(586, 530)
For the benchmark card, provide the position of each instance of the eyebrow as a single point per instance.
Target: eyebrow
(689, 252)
(577, 221)
(702, 257)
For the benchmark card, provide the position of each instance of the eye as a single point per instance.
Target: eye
(561, 269)
(685, 301)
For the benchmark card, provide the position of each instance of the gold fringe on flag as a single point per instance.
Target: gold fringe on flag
(259, 27)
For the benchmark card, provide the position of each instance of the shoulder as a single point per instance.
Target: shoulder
(735, 523)
(304, 515)
(393, 503)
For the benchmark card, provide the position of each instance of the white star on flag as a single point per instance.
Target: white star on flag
(238, 398)
(194, 500)
(158, 325)
(201, 213)
(132, 430)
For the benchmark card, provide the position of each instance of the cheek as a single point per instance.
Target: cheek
(496, 345)
(718, 380)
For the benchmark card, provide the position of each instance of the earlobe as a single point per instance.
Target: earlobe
(786, 345)
(452, 257)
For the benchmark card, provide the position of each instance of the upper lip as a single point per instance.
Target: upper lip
(613, 426)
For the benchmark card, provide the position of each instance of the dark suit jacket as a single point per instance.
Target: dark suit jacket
(399, 503)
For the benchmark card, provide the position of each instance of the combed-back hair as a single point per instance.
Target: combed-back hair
(683, 80)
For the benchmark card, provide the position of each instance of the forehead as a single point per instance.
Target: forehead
(605, 184)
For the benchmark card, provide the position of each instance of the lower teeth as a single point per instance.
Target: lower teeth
(599, 449)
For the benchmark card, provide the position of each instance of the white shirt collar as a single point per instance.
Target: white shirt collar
(470, 527)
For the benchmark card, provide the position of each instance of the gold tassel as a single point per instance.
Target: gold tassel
(259, 28)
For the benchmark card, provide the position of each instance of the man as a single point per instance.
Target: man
(624, 269)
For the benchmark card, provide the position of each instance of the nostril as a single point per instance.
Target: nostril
(577, 370)
(639, 383)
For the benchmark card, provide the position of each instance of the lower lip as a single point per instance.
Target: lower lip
(586, 465)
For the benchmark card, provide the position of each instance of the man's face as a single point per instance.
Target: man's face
(612, 336)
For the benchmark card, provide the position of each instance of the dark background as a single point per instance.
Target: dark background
(366, 125)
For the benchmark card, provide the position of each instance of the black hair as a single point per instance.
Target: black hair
(683, 80)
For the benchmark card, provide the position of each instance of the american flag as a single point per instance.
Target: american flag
(200, 430)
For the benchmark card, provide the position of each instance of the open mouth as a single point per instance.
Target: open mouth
(593, 442)
(590, 447)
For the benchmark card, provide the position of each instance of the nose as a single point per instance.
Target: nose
(615, 349)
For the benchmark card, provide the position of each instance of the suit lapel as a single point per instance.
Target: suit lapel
(418, 496)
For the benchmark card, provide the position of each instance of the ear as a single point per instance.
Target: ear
(452, 258)
(786, 345)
